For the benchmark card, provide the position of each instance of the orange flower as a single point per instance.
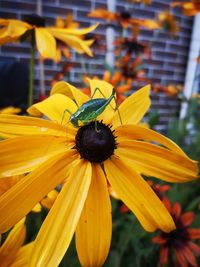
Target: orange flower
(188, 8)
(179, 241)
(120, 84)
(145, 2)
(68, 22)
(159, 189)
(168, 22)
(170, 90)
(123, 18)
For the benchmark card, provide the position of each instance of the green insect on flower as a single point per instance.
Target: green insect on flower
(91, 109)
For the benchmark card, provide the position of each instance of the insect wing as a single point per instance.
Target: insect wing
(91, 109)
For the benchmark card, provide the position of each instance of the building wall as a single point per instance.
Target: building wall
(169, 55)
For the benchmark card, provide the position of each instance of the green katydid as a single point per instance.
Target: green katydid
(91, 109)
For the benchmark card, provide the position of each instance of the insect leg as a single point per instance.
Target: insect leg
(95, 90)
(95, 126)
(66, 110)
(120, 118)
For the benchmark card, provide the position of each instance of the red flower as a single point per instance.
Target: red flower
(180, 241)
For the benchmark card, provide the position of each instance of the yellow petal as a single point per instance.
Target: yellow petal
(37, 208)
(10, 110)
(22, 197)
(105, 88)
(22, 256)
(138, 196)
(75, 42)
(138, 132)
(13, 30)
(133, 108)
(14, 125)
(152, 160)
(23, 154)
(58, 228)
(70, 91)
(54, 107)
(70, 31)
(18, 27)
(46, 43)
(93, 232)
(48, 201)
(7, 183)
(13, 242)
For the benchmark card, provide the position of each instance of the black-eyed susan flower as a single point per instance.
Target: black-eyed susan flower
(12, 251)
(85, 159)
(13, 30)
(180, 241)
(124, 19)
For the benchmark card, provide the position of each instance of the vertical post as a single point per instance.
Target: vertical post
(110, 37)
(192, 66)
(41, 63)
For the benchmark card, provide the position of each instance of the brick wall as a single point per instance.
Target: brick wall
(169, 55)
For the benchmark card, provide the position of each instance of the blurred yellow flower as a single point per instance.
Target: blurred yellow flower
(68, 23)
(10, 110)
(85, 160)
(13, 30)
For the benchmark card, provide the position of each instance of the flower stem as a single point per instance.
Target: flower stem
(31, 72)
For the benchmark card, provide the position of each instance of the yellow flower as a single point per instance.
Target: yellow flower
(68, 23)
(85, 160)
(12, 251)
(12, 30)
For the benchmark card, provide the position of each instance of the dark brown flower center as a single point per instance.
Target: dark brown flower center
(95, 142)
(125, 15)
(34, 20)
(177, 238)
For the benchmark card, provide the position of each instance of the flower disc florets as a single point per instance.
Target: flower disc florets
(178, 237)
(95, 142)
(125, 15)
(35, 20)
